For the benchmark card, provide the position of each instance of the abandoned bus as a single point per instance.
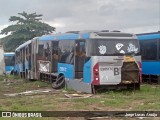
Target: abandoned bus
(9, 62)
(150, 51)
(86, 61)
(21, 59)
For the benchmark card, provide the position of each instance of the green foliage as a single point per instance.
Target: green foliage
(26, 27)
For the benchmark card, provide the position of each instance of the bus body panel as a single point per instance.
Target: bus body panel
(67, 70)
(7, 54)
(149, 36)
(9, 69)
(109, 69)
(79, 85)
(87, 72)
(147, 67)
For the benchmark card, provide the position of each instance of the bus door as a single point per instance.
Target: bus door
(34, 60)
(29, 56)
(23, 60)
(80, 55)
(26, 57)
(27, 60)
(54, 58)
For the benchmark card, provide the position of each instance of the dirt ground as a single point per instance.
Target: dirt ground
(20, 95)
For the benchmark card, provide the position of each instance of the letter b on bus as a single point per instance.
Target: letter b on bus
(116, 71)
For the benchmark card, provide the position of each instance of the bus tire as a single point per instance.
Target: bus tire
(59, 83)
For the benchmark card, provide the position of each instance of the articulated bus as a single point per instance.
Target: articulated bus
(83, 61)
(150, 51)
(22, 59)
(9, 59)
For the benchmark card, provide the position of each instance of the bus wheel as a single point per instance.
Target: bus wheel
(59, 83)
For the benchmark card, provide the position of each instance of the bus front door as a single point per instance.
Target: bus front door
(79, 59)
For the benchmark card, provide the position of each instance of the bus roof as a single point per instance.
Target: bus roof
(9, 54)
(148, 36)
(23, 45)
(72, 35)
(86, 35)
(46, 37)
(63, 36)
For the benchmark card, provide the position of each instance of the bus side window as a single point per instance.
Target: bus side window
(66, 52)
(13, 60)
(26, 54)
(40, 49)
(80, 49)
(149, 50)
(55, 50)
(17, 57)
(46, 49)
(54, 55)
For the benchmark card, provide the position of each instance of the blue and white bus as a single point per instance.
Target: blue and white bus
(150, 51)
(21, 59)
(86, 61)
(9, 62)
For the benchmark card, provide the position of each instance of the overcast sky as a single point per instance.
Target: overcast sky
(135, 16)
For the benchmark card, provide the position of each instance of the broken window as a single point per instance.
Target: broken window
(66, 53)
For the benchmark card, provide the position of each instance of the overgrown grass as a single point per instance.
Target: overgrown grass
(145, 99)
(9, 77)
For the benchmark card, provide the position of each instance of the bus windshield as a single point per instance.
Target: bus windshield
(104, 47)
(9, 60)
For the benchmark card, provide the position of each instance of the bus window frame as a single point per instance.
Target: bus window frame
(46, 51)
(62, 50)
(109, 54)
(81, 40)
(9, 60)
(149, 41)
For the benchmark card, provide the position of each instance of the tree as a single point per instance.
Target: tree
(26, 27)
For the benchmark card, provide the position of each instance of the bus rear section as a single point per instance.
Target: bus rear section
(9, 62)
(111, 61)
(116, 72)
